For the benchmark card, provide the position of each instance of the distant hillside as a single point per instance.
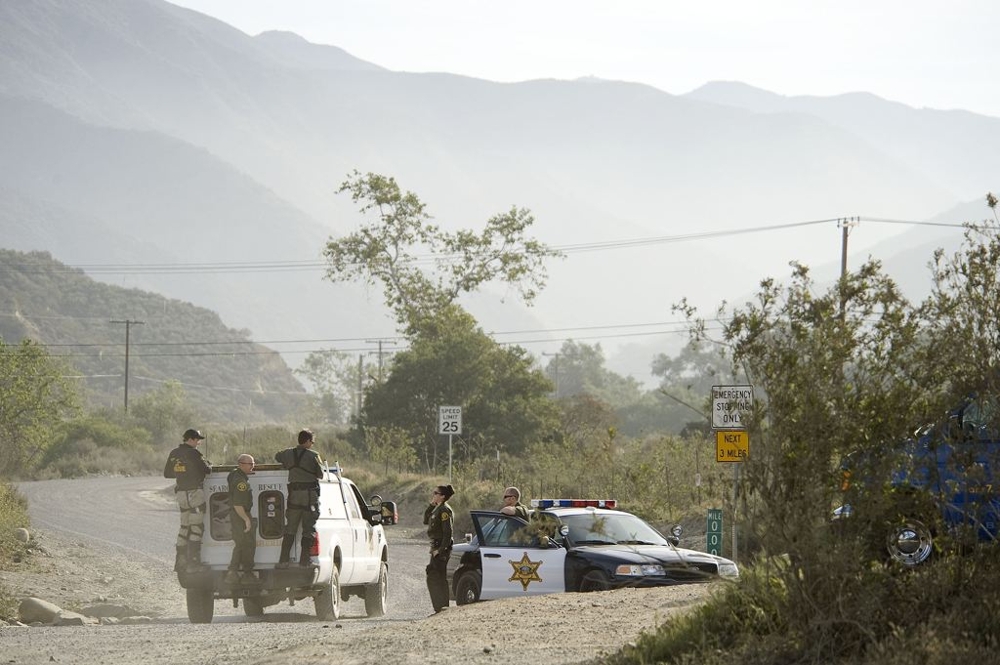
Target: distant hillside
(137, 132)
(230, 378)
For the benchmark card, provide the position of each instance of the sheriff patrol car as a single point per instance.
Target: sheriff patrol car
(572, 545)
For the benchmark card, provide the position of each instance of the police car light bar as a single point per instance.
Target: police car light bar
(574, 503)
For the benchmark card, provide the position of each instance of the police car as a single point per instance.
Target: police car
(572, 545)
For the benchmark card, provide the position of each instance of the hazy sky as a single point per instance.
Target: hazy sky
(936, 54)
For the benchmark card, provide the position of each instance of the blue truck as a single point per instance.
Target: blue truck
(939, 487)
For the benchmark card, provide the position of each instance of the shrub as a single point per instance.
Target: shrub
(13, 515)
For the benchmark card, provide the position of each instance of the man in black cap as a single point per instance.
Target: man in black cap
(189, 468)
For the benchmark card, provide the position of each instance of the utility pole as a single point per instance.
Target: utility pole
(380, 353)
(555, 368)
(128, 329)
(361, 385)
(845, 224)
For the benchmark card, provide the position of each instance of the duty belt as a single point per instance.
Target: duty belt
(302, 486)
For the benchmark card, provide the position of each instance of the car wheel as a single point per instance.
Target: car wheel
(200, 605)
(595, 580)
(327, 600)
(375, 594)
(468, 587)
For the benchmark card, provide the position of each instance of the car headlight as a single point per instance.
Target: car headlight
(728, 569)
(639, 570)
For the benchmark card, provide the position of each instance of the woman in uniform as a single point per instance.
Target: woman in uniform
(439, 517)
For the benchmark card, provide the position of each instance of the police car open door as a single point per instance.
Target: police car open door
(515, 561)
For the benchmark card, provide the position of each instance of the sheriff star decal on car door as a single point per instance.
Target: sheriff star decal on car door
(525, 571)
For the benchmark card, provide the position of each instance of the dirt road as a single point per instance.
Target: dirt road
(111, 541)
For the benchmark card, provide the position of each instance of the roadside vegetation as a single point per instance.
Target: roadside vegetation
(849, 370)
(13, 516)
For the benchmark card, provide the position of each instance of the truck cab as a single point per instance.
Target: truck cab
(942, 481)
(349, 557)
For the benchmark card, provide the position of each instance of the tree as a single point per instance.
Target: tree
(165, 413)
(335, 378)
(579, 369)
(35, 396)
(390, 446)
(451, 361)
(962, 328)
(386, 251)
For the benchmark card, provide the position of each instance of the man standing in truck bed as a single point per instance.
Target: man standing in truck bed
(189, 468)
(244, 535)
(304, 472)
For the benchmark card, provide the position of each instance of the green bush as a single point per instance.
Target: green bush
(13, 516)
(944, 612)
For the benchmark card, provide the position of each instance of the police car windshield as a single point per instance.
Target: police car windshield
(611, 529)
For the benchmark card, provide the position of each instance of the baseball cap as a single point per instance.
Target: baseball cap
(192, 434)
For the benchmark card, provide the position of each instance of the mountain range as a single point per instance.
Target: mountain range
(155, 147)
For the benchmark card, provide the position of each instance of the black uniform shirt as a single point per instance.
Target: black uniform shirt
(302, 464)
(240, 493)
(186, 464)
(439, 519)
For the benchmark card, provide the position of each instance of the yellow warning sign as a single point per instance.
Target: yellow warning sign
(732, 446)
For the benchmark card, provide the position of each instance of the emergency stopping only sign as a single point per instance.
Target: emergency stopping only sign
(449, 420)
(730, 405)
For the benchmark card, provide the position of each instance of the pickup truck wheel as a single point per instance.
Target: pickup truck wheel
(910, 542)
(327, 599)
(375, 594)
(468, 587)
(595, 580)
(200, 605)
(252, 607)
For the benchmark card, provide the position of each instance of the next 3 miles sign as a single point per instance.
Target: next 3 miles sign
(730, 405)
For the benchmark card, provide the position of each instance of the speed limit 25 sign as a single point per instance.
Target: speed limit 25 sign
(449, 420)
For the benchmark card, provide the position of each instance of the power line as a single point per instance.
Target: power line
(316, 265)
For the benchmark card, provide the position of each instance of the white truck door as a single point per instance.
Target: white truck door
(514, 562)
(333, 528)
(367, 546)
(354, 551)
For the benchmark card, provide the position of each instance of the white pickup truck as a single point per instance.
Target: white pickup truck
(350, 556)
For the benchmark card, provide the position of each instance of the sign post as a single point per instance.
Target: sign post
(450, 423)
(731, 406)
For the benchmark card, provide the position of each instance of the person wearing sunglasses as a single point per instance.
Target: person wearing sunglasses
(244, 537)
(439, 518)
(512, 504)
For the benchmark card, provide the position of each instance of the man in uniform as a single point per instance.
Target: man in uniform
(512, 504)
(304, 472)
(439, 518)
(186, 464)
(244, 535)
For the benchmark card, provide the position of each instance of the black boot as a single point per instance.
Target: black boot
(194, 564)
(180, 559)
(305, 556)
(286, 551)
